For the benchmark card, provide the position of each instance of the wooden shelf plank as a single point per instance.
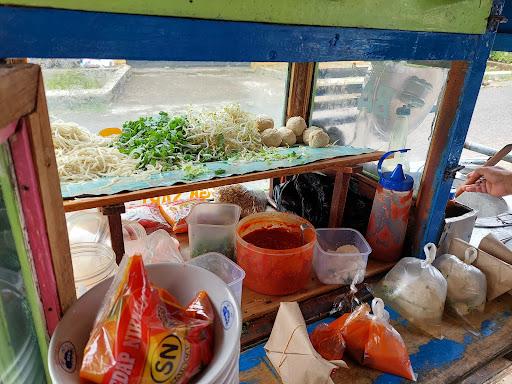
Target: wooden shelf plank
(255, 305)
(322, 165)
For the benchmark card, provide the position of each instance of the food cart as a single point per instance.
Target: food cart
(461, 33)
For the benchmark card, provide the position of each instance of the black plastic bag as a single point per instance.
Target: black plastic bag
(307, 195)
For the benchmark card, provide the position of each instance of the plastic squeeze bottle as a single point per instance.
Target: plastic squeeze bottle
(390, 212)
(398, 139)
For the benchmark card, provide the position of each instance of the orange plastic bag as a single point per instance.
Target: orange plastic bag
(327, 339)
(176, 213)
(374, 343)
(143, 335)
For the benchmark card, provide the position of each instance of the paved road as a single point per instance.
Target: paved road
(492, 119)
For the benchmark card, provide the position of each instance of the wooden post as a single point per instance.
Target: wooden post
(339, 194)
(113, 212)
(300, 86)
(300, 90)
(38, 124)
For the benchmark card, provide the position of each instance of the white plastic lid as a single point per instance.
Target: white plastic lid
(220, 265)
(87, 227)
(91, 259)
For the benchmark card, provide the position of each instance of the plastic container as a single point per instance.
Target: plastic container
(211, 228)
(271, 271)
(87, 227)
(390, 212)
(92, 227)
(332, 267)
(92, 263)
(228, 271)
(181, 280)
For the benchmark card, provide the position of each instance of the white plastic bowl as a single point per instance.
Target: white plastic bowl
(181, 280)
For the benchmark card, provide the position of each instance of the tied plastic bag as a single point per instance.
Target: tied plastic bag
(250, 201)
(416, 290)
(142, 335)
(374, 343)
(327, 339)
(307, 195)
(467, 285)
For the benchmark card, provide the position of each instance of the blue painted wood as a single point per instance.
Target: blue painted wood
(507, 12)
(31, 32)
(503, 42)
(430, 230)
(429, 355)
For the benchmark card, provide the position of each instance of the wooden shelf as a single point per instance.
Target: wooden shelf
(123, 197)
(436, 361)
(256, 305)
(316, 299)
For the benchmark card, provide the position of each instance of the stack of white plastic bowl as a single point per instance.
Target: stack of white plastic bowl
(183, 281)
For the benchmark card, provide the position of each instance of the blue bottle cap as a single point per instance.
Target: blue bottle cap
(396, 180)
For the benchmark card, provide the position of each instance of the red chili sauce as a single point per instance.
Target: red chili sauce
(274, 238)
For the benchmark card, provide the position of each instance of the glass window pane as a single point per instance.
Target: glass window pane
(383, 105)
(98, 94)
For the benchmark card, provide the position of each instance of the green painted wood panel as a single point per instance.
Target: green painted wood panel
(9, 197)
(456, 16)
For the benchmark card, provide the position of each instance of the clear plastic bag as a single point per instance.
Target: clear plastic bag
(327, 339)
(467, 285)
(158, 247)
(416, 290)
(373, 342)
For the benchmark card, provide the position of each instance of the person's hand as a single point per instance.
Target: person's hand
(495, 181)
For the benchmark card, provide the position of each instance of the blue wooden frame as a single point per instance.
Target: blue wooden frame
(430, 230)
(503, 40)
(52, 33)
(45, 33)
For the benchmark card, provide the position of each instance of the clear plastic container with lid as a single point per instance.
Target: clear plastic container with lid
(92, 263)
(87, 227)
(228, 271)
(340, 253)
(92, 227)
(211, 228)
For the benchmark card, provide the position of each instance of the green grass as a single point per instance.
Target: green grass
(71, 80)
(502, 57)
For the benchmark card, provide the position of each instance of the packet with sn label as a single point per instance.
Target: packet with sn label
(143, 335)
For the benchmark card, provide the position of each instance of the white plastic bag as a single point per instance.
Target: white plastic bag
(158, 247)
(416, 290)
(467, 285)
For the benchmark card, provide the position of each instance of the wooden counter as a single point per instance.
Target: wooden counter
(435, 361)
